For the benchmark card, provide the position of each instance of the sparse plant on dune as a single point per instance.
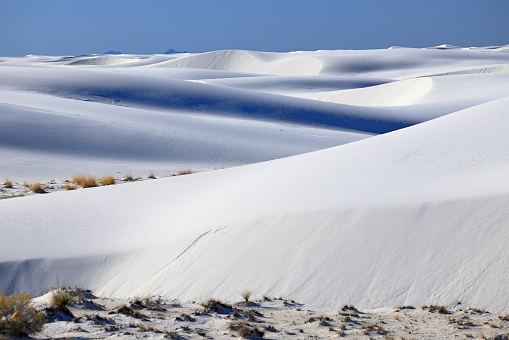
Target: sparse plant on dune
(85, 181)
(37, 187)
(435, 309)
(246, 330)
(246, 295)
(107, 180)
(17, 317)
(80, 180)
(186, 171)
(91, 182)
(61, 299)
(152, 175)
(70, 186)
(216, 306)
(128, 178)
(8, 183)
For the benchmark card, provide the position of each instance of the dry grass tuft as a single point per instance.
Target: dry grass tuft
(37, 187)
(152, 175)
(91, 182)
(435, 309)
(17, 317)
(128, 178)
(80, 180)
(8, 183)
(107, 180)
(70, 186)
(187, 171)
(246, 330)
(84, 181)
(147, 328)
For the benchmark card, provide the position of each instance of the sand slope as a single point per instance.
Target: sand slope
(412, 216)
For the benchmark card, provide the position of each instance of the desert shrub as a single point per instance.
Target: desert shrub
(349, 308)
(61, 299)
(246, 295)
(8, 183)
(85, 181)
(246, 330)
(435, 309)
(91, 182)
(17, 317)
(216, 306)
(152, 175)
(37, 187)
(128, 178)
(187, 171)
(80, 180)
(129, 311)
(149, 302)
(70, 186)
(107, 180)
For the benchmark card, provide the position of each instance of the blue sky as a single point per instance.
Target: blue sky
(71, 27)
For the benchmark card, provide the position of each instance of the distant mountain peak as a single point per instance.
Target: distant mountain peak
(113, 52)
(172, 51)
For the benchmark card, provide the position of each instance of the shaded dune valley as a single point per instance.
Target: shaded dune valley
(373, 178)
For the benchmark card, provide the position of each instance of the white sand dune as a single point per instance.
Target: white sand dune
(44, 137)
(302, 86)
(416, 215)
(177, 95)
(455, 91)
(388, 63)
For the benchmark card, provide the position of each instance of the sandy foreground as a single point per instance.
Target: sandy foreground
(269, 318)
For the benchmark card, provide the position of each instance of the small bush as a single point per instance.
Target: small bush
(152, 175)
(80, 180)
(107, 180)
(17, 317)
(216, 306)
(435, 309)
(8, 183)
(128, 178)
(61, 299)
(246, 330)
(91, 182)
(246, 295)
(37, 187)
(85, 181)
